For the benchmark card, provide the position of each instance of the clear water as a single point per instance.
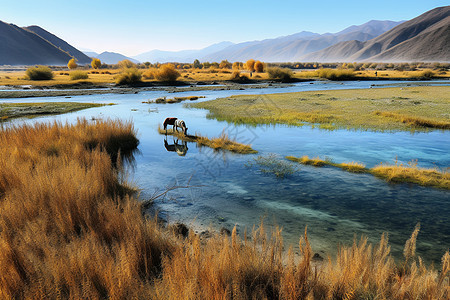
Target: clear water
(335, 205)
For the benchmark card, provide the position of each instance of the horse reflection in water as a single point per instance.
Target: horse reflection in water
(180, 149)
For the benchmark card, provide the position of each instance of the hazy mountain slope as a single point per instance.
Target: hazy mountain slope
(91, 53)
(180, 56)
(293, 47)
(374, 28)
(430, 45)
(113, 58)
(59, 43)
(22, 47)
(422, 38)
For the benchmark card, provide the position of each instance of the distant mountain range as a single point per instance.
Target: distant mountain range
(180, 56)
(110, 57)
(424, 38)
(286, 48)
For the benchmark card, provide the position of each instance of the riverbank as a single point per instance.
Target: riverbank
(72, 228)
(79, 89)
(19, 110)
(383, 109)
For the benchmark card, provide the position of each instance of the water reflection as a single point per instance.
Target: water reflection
(181, 149)
(335, 205)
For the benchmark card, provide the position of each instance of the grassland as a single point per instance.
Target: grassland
(109, 76)
(380, 109)
(70, 228)
(18, 110)
(397, 172)
(223, 142)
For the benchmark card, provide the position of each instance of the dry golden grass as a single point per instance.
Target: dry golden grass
(69, 229)
(412, 173)
(317, 162)
(258, 268)
(393, 173)
(103, 76)
(220, 143)
(354, 167)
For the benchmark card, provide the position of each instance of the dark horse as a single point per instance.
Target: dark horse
(175, 122)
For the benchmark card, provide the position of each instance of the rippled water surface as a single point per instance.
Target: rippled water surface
(335, 205)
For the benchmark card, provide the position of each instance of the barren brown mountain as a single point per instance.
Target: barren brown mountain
(424, 38)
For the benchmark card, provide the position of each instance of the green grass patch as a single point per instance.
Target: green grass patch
(412, 109)
(17, 110)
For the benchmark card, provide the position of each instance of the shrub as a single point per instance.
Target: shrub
(225, 64)
(426, 74)
(150, 73)
(76, 75)
(336, 74)
(259, 67)
(129, 76)
(197, 64)
(167, 73)
(236, 76)
(250, 65)
(72, 64)
(96, 63)
(39, 73)
(282, 74)
(126, 64)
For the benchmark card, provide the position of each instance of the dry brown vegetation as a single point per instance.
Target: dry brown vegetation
(258, 268)
(397, 172)
(69, 229)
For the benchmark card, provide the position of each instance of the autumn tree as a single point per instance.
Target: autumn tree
(96, 63)
(225, 64)
(168, 73)
(250, 64)
(258, 66)
(236, 65)
(72, 64)
(126, 63)
(197, 64)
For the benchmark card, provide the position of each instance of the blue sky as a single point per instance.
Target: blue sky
(136, 26)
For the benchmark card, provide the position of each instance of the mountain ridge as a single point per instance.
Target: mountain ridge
(409, 41)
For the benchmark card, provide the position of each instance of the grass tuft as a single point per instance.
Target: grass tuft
(39, 73)
(223, 142)
(316, 162)
(283, 74)
(399, 172)
(336, 74)
(392, 173)
(354, 167)
(129, 76)
(76, 75)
